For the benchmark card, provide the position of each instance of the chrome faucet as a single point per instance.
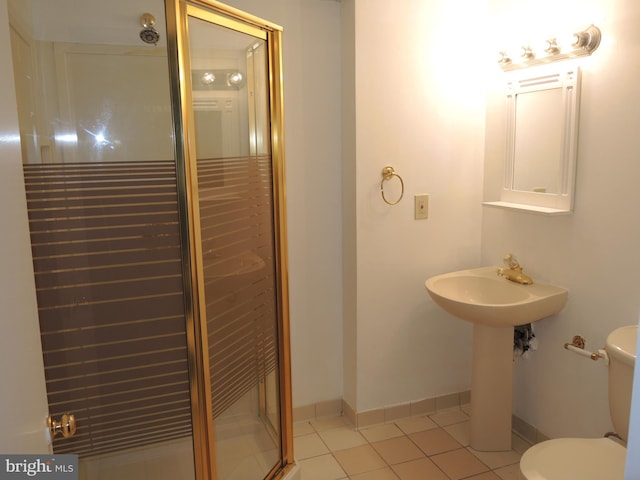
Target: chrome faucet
(514, 272)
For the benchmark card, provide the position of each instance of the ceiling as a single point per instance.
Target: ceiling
(117, 22)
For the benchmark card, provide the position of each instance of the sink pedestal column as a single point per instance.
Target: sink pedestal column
(491, 388)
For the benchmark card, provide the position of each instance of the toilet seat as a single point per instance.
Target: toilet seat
(574, 458)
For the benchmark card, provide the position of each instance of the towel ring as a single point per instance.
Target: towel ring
(387, 174)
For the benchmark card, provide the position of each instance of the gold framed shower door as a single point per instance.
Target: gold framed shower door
(178, 13)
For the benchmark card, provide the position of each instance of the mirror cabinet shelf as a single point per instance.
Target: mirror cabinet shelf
(523, 207)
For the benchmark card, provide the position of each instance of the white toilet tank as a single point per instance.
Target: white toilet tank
(621, 347)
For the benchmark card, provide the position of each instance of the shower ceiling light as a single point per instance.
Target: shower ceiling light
(235, 78)
(208, 78)
(585, 42)
(217, 79)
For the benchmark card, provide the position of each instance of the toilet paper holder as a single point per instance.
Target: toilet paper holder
(577, 346)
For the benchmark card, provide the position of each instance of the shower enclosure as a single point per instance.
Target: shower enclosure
(152, 138)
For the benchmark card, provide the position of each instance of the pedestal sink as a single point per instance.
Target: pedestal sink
(494, 305)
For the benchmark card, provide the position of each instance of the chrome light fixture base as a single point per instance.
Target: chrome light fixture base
(585, 42)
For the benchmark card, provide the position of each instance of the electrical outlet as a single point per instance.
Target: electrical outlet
(421, 206)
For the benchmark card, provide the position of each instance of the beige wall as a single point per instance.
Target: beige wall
(405, 101)
(420, 108)
(311, 62)
(592, 252)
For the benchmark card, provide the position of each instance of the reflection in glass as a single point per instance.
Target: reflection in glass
(97, 137)
(539, 140)
(100, 176)
(235, 194)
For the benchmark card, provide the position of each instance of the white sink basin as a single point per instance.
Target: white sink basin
(481, 296)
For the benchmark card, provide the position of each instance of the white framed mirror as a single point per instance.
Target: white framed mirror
(542, 111)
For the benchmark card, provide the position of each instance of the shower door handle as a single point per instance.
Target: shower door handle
(66, 425)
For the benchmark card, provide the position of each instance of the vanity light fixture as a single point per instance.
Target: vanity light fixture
(585, 42)
(208, 78)
(552, 47)
(235, 78)
(527, 53)
(503, 58)
(217, 79)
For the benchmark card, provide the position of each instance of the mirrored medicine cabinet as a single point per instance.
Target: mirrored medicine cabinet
(538, 140)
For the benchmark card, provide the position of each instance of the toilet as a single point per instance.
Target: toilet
(592, 458)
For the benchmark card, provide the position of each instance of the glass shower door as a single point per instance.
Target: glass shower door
(229, 92)
(154, 332)
(101, 183)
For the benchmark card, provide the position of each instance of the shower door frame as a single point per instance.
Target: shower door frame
(177, 12)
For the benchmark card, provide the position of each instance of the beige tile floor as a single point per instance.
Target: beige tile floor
(432, 447)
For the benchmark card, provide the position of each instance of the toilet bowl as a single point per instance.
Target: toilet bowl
(574, 458)
(592, 458)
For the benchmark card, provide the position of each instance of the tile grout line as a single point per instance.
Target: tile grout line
(349, 426)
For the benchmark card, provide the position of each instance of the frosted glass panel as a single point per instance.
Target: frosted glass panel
(235, 182)
(101, 183)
